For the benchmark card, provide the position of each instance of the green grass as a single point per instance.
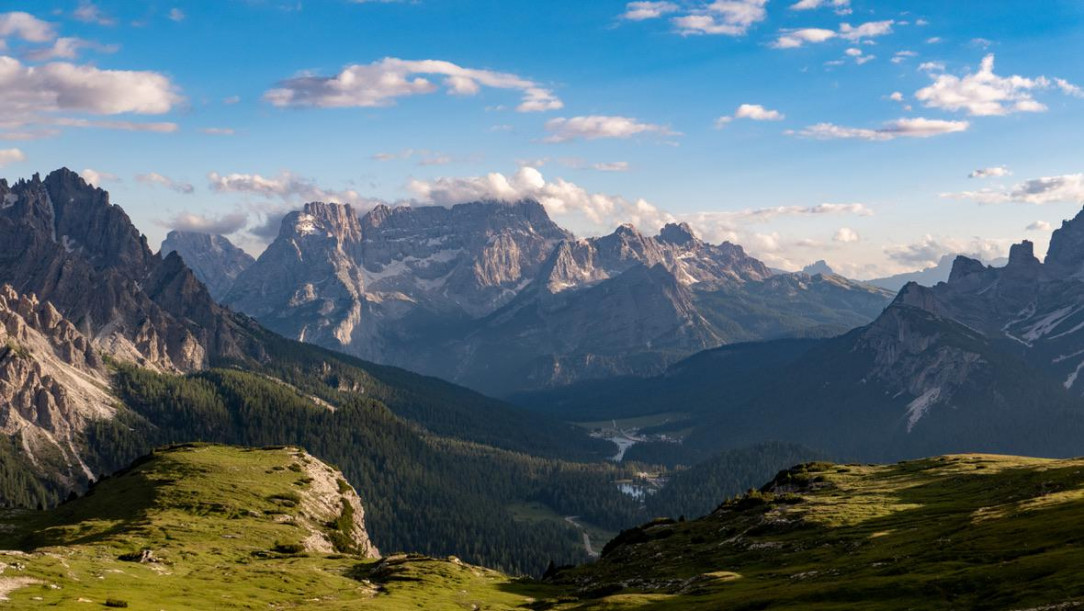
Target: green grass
(955, 532)
(218, 522)
(964, 532)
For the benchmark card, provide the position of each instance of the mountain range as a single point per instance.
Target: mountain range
(498, 297)
(987, 361)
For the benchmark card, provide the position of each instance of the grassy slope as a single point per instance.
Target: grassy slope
(965, 532)
(210, 516)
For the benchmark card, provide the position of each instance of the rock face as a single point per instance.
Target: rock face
(213, 259)
(62, 240)
(496, 296)
(52, 384)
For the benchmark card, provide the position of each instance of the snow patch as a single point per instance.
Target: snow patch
(1048, 323)
(1069, 381)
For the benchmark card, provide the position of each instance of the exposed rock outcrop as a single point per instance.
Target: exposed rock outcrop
(213, 259)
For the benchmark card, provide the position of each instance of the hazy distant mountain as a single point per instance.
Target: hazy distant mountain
(214, 260)
(926, 277)
(818, 267)
(497, 296)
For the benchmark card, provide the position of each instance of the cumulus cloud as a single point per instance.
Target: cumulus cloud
(1068, 188)
(285, 186)
(846, 235)
(26, 27)
(984, 93)
(154, 178)
(200, 223)
(725, 17)
(841, 6)
(34, 94)
(994, 172)
(792, 39)
(382, 82)
(560, 198)
(754, 112)
(96, 178)
(11, 156)
(639, 11)
(900, 128)
(870, 29)
(928, 251)
(1040, 226)
(68, 48)
(176, 14)
(594, 127)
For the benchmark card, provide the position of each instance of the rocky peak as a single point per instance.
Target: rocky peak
(1023, 254)
(678, 234)
(214, 260)
(818, 267)
(52, 383)
(965, 266)
(337, 221)
(1065, 257)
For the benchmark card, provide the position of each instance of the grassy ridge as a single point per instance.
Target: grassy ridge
(221, 526)
(963, 532)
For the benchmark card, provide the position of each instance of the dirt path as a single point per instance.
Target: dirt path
(586, 537)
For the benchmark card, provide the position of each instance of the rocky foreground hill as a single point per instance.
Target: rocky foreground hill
(231, 528)
(496, 296)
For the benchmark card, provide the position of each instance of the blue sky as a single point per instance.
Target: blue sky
(770, 123)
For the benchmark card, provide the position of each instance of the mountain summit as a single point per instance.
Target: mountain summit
(497, 296)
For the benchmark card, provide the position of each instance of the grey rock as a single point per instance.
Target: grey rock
(213, 259)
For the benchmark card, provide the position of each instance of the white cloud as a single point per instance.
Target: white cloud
(896, 96)
(218, 131)
(31, 92)
(128, 126)
(560, 198)
(639, 11)
(1040, 226)
(792, 39)
(26, 27)
(611, 166)
(594, 127)
(233, 99)
(841, 6)
(176, 14)
(1068, 188)
(933, 40)
(11, 156)
(200, 223)
(930, 249)
(88, 12)
(68, 48)
(382, 82)
(154, 178)
(984, 93)
(931, 67)
(900, 128)
(901, 56)
(286, 186)
(754, 112)
(96, 178)
(871, 29)
(846, 235)
(993, 172)
(721, 17)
